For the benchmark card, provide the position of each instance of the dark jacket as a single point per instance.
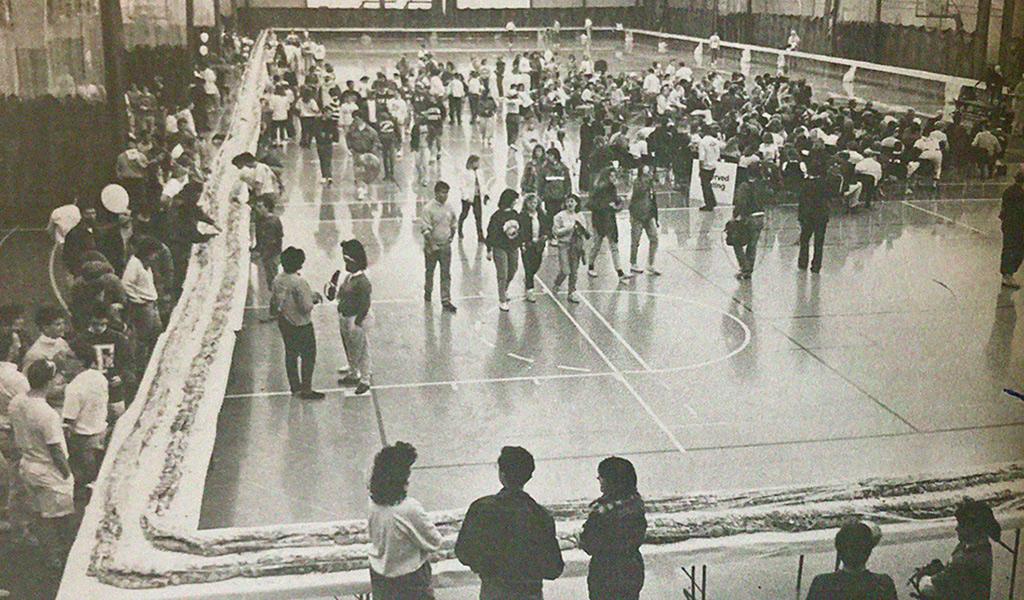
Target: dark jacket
(643, 203)
(968, 576)
(511, 538)
(612, 536)
(526, 227)
(845, 585)
(554, 183)
(78, 241)
(497, 237)
(114, 247)
(1012, 211)
(85, 343)
(813, 197)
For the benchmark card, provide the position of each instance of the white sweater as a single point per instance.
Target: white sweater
(402, 538)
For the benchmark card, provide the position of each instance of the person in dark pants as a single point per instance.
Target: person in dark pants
(534, 231)
(324, 136)
(1012, 217)
(503, 240)
(813, 214)
(292, 300)
(748, 208)
(854, 543)
(507, 538)
(613, 533)
(473, 197)
(554, 184)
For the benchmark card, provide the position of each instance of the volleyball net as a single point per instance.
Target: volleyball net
(889, 88)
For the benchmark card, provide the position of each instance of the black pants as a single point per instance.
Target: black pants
(511, 128)
(325, 153)
(308, 129)
(455, 110)
(477, 207)
(533, 253)
(299, 343)
(474, 107)
(551, 208)
(868, 193)
(706, 177)
(1013, 250)
(388, 159)
(809, 229)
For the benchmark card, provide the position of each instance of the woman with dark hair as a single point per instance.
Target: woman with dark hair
(503, 241)
(402, 536)
(353, 308)
(292, 301)
(968, 576)
(532, 171)
(613, 533)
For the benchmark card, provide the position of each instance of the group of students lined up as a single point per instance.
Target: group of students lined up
(65, 382)
(510, 541)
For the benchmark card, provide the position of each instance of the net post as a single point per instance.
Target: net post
(799, 576)
(1013, 567)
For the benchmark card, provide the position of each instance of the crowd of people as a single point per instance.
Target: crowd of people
(510, 542)
(66, 381)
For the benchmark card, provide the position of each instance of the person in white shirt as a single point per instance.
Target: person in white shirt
(683, 72)
(652, 85)
(709, 151)
(402, 536)
(869, 172)
(793, 42)
(930, 150)
(456, 93)
(142, 312)
(474, 196)
(714, 43)
(43, 468)
(86, 405)
(50, 344)
(280, 107)
(474, 87)
(12, 384)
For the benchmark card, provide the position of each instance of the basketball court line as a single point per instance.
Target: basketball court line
(9, 234)
(615, 332)
(945, 218)
(615, 370)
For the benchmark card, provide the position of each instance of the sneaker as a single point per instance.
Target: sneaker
(349, 380)
(448, 307)
(1010, 282)
(330, 181)
(591, 273)
(706, 208)
(503, 306)
(361, 389)
(312, 395)
(636, 269)
(624, 277)
(815, 269)
(740, 275)
(652, 271)
(530, 297)
(323, 180)
(574, 298)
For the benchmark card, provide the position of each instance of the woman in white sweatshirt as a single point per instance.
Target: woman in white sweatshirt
(402, 536)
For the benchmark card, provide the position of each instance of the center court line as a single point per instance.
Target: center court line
(945, 218)
(615, 370)
(615, 332)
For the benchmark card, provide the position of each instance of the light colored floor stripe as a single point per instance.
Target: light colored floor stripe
(8, 236)
(615, 332)
(945, 218)
(618, 374)
(53, 278)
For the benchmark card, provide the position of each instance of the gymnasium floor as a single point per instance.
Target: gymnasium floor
(893, 360)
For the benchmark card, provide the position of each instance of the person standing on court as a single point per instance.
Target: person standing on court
(503, 241)
(353, 308)
(813, 215)
(402, 536)
(534, 232)
(748, 209)
(709, 152)
(508, 539)
(643, 218)
(438, 225)
(1012, 216)
(604, 203)
(473, 196)
(613, 533)
(554, 184)
(292, 300)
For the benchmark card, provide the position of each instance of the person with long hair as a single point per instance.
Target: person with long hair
(402, 536)
(534, 232)
(613, 533)
(531, 171)
(968, 575)
(503, 240)
(353, 308)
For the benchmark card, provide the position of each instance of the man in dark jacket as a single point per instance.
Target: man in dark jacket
(854, 544)
(81, 238)
(813, 213)
(554, 186)
(1012, 217)
(508, 539)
